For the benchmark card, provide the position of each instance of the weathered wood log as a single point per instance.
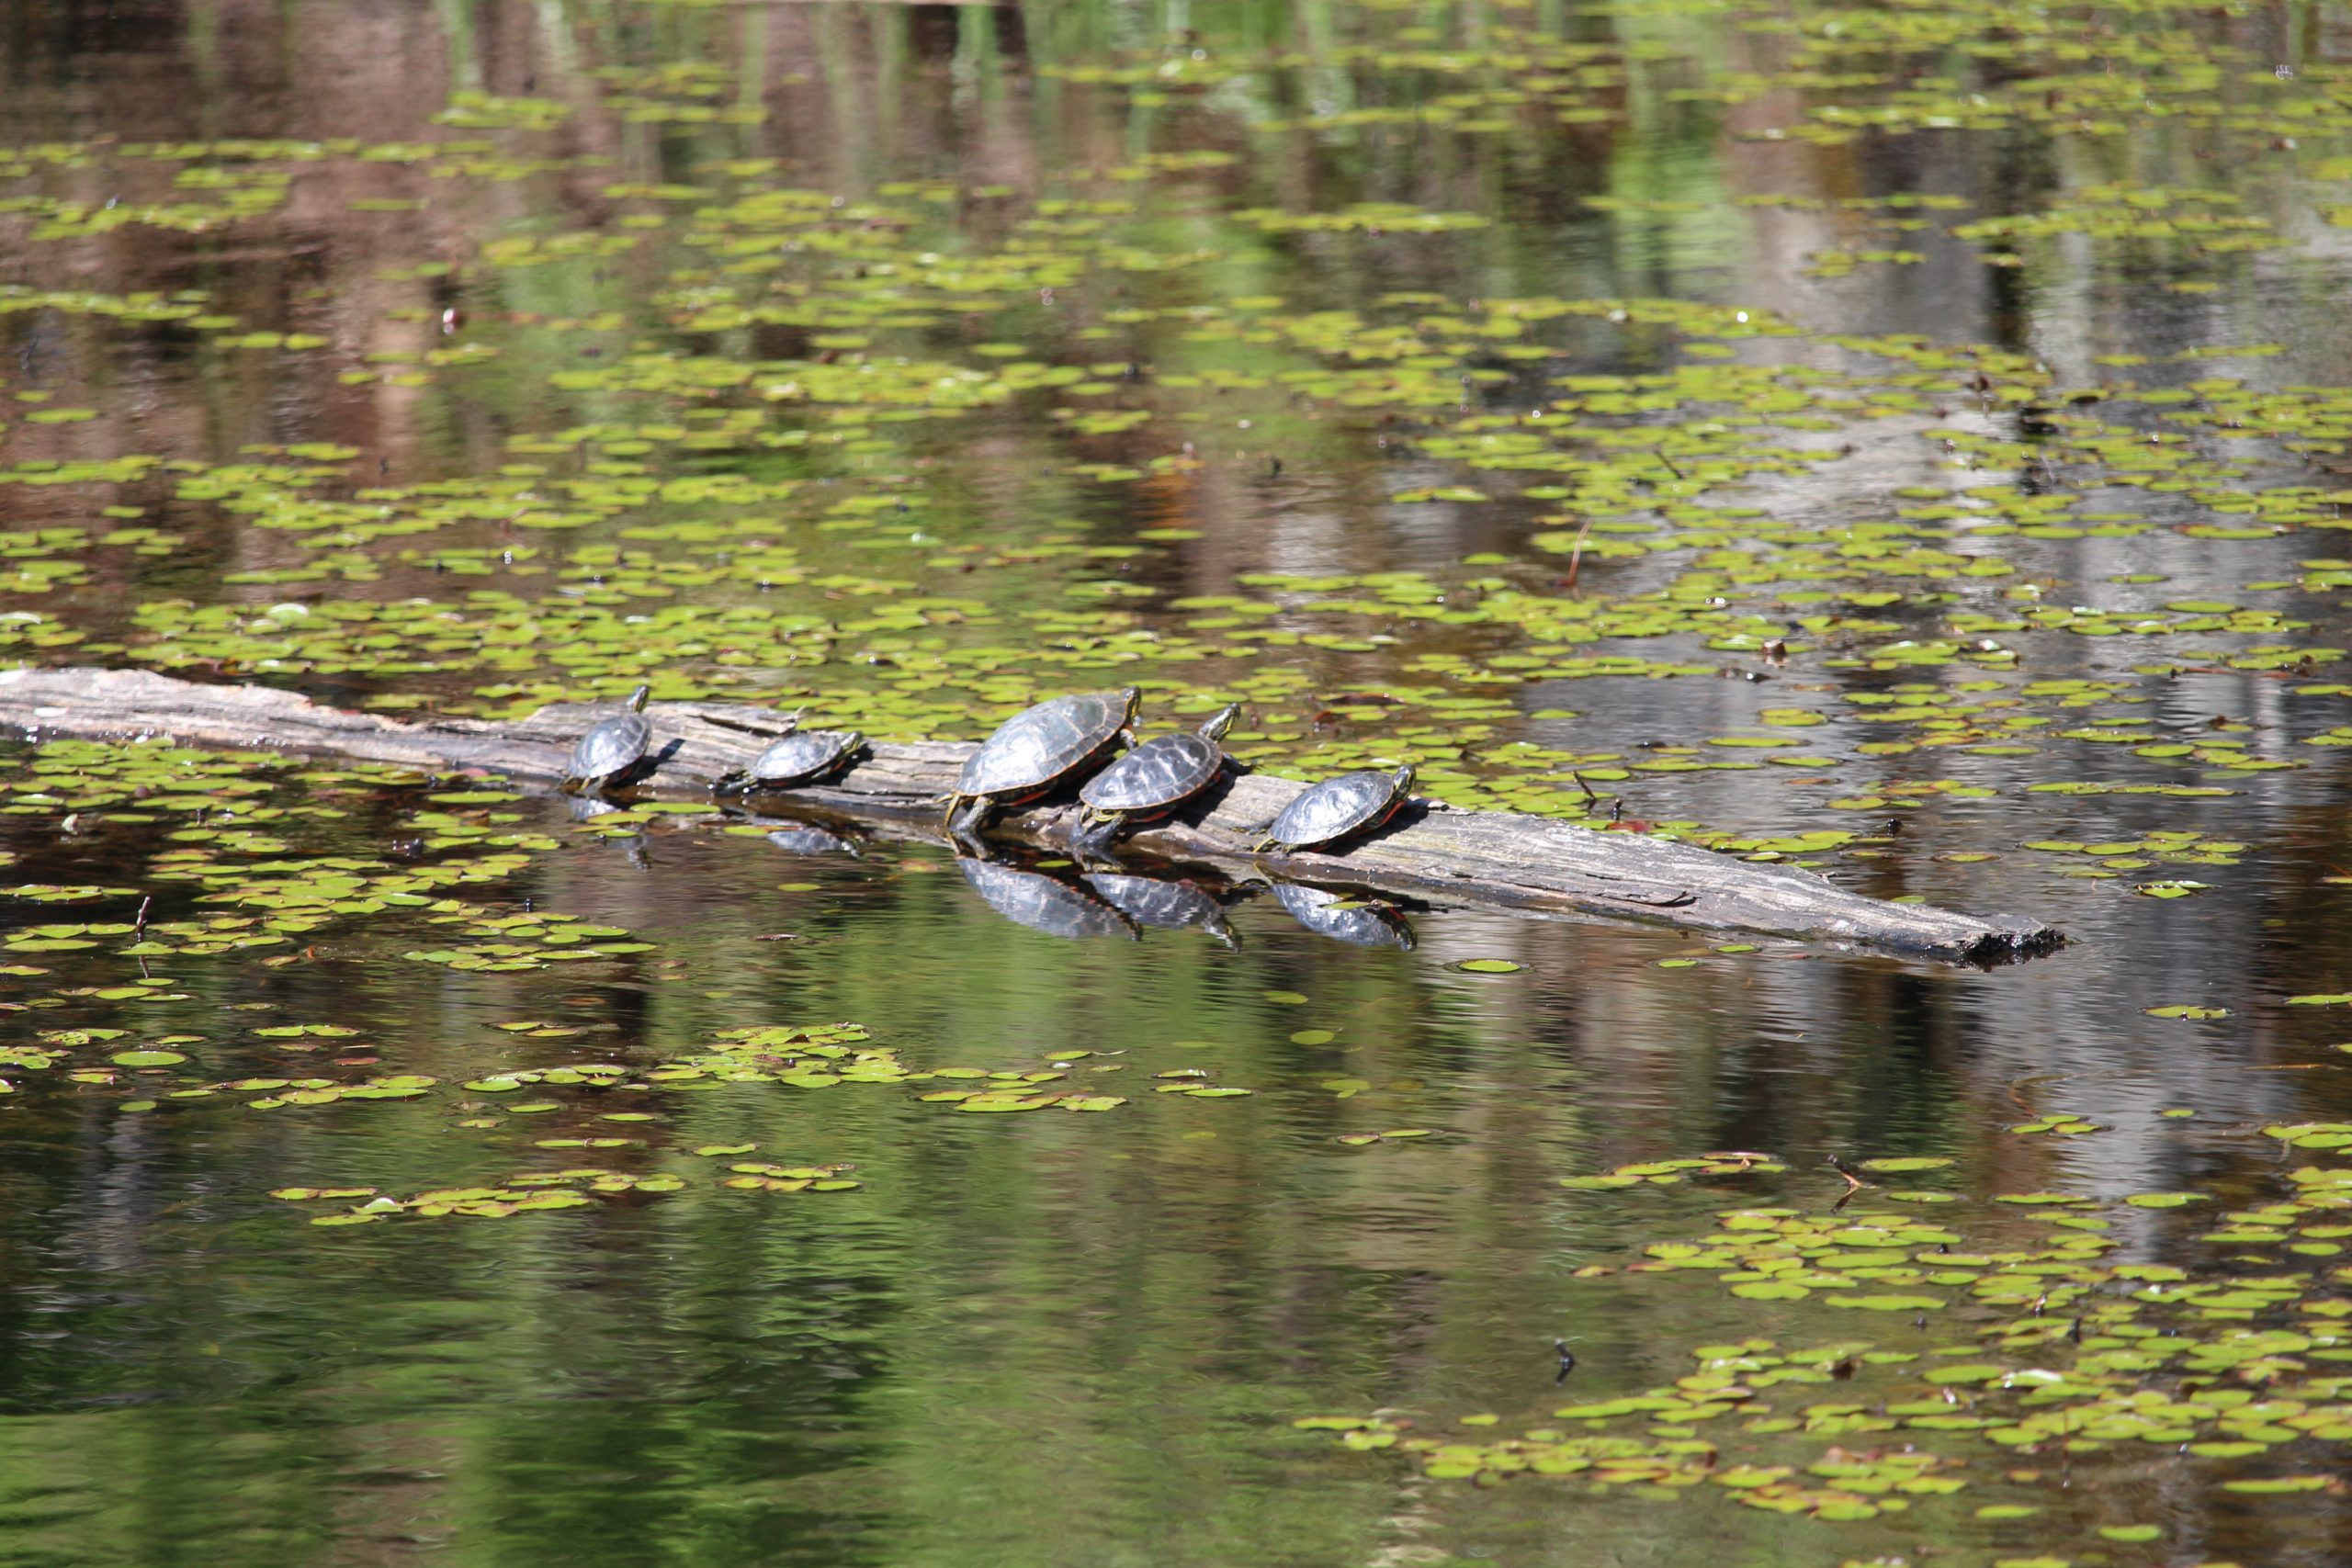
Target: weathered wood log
(1490, 859)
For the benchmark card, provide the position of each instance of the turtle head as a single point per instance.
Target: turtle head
(1130, 698)
(1221, 721)
(636, 699)
(1403, 779)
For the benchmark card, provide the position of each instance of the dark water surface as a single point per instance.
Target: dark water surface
(1084, 1337)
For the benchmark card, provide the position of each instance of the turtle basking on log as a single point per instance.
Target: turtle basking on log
(1155, 780)
(1339, 809)
(612, 749)
(1037, 750)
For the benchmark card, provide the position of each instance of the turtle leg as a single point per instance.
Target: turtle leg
(968, 813)
(1091, 837)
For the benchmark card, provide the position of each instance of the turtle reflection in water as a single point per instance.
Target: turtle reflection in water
(1366, 925)
(813, 841)
(1164, 904)
(588, 807)
(629, 834)
(1042, 903)
(1037, 749)
(612, 749)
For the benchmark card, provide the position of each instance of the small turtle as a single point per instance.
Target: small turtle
(612, 748)
(1036, 749)
(1352, 802)
(1042, 903)
(1167, 906)
(799, 757)
(1366, 925)
(1154, 780)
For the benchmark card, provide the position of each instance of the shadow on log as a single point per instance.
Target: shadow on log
(1479, 859)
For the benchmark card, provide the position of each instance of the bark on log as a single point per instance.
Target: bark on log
(1490, 859)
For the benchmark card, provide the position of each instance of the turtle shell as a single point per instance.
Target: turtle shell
(614, 745)
(1039, 745)
(1162, 772)
(1338, 807)
(803, 755)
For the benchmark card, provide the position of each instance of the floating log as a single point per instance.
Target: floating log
(1479, 859)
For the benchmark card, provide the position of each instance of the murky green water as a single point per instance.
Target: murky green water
(1905, 440)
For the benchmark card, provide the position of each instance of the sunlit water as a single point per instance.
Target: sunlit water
(1048, 1337)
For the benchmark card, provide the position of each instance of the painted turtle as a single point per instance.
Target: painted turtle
(612, 747)
(1352, 802)
(1154, 780)
(1042, 903)
(1164, 905)
(1037, 749)
(1366, 925)
(799, 757)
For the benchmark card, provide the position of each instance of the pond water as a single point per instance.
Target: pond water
(1903, 441)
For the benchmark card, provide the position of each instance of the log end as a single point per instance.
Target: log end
(2006, 944)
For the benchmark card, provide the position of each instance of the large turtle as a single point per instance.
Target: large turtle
(1352, 802)
(1036, 749)
(1042, 903)
(612, 748)
(1154, 780)
(1167, 905)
